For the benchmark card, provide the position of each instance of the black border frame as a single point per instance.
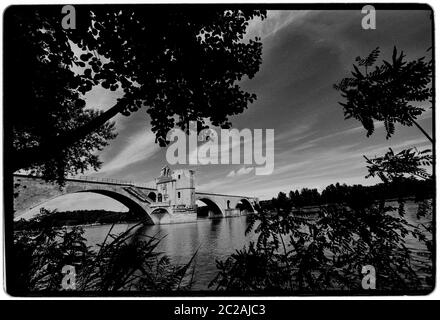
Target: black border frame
(8, 177)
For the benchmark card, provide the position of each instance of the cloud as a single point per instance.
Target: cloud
(231, 174)
(139, 147)
(240, 172)
(215, 185)
(243, 171)
(297, 131)
(275, 21)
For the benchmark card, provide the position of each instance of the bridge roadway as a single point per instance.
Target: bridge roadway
(33, 191)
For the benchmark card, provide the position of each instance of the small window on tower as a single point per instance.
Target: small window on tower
(178, 194)
(178, 177)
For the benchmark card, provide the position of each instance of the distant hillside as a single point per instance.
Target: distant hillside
(81, 217)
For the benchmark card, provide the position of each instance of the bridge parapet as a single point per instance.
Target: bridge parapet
(113, 181)
(160, 204)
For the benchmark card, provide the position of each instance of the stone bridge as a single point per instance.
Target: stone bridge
(172, 201)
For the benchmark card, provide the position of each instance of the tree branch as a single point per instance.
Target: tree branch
(47, 150)
(423, 131)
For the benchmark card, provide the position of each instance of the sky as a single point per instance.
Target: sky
(304, 54)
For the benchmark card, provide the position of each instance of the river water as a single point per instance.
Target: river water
(214, 239)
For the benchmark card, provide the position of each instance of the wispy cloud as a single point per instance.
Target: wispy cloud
(139, 147)
(275, 21)
(240, 172)
(297, 131)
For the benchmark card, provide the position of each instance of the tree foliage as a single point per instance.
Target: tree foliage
(391, 92)
(122, 261)
(178, 64)
(406, 163)
(42, 98)
(327, 253)
(398, 184)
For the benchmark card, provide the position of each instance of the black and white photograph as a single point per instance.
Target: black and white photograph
(219, 150)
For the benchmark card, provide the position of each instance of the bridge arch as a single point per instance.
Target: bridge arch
(159, 211)
(131, 204)
(126, 201)
(160, 215)
(212, 210)
(245, 205)
(152, 196)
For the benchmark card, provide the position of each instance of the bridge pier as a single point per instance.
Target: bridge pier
(164, 214)
(232, 213)
(177, 218)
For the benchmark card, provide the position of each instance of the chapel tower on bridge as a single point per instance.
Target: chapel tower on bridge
(176, 188)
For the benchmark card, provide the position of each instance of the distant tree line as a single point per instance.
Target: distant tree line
(80, 217)
(343, 193)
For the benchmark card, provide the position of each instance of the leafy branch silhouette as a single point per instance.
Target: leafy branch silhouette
(391, 92)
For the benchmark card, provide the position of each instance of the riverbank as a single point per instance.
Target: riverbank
(81, 218)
